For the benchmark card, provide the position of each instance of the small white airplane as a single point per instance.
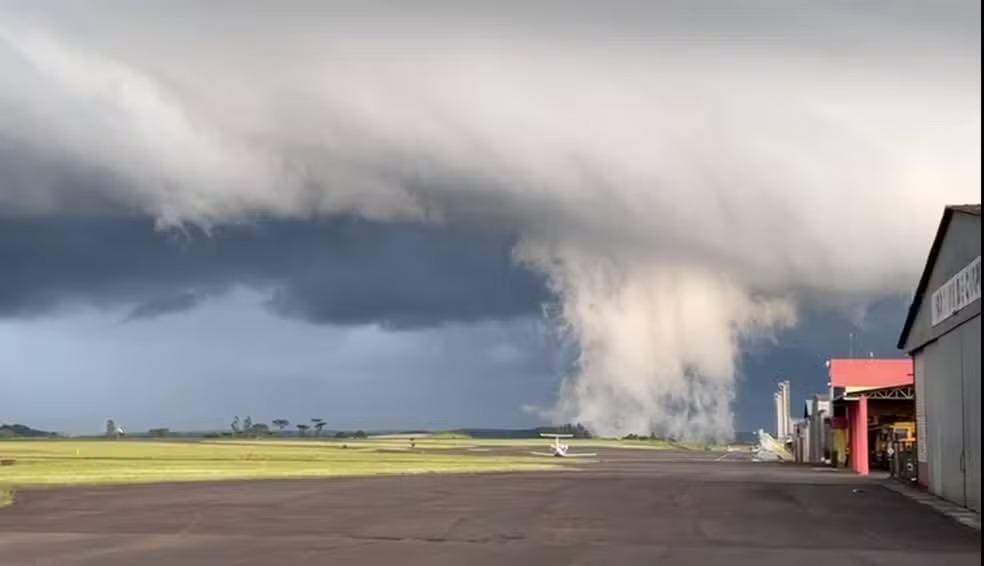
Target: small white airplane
(560, 450)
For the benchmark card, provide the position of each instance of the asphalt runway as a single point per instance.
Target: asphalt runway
(630, 507)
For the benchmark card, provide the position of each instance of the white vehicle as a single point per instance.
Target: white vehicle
(560, 450)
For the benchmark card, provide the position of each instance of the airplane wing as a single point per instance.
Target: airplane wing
(549, 435)
(581, 455)
(548, 454)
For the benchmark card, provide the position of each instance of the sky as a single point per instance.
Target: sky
(638, 216)
(186, 331)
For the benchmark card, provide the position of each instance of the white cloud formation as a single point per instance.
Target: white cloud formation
(684, 174)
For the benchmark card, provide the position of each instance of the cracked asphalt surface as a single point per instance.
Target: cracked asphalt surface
(630, 507)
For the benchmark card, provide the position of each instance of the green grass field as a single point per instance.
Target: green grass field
(49, 462)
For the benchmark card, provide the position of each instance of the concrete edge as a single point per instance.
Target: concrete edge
(959, 514)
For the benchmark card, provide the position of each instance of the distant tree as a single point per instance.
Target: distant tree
(22, 430)
(359, 434)
(580, 431)
(301, 429)
(318, 425)
(341, 434)
(235, 425)
(281, 424)
(113, 430)
(248, 424)
(159, 432)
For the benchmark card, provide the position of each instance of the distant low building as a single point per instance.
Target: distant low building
(942, 333)
(813, 430)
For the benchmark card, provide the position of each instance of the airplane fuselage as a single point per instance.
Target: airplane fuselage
(559, 449)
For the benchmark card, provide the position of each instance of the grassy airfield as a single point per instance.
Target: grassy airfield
(47, 462)
(50, 462)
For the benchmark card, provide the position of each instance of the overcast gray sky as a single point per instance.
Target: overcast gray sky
(637, 215)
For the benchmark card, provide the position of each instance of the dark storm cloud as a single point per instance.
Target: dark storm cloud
(340, 271)
(180, 301)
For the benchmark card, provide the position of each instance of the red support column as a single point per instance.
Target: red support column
(852, 435)
(863, 435)
(857, 420)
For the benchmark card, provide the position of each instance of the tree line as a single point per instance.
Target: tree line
(246, 427)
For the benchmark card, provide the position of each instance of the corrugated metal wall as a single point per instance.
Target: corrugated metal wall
(971, 343)
(944, 418)
(922, 454)
(819, 432)
(951, 389)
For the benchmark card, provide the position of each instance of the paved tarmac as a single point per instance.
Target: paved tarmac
(630, 507)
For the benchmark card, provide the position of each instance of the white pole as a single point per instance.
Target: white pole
(787, 422)
(775, 398)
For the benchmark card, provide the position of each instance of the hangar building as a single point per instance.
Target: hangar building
(942, 333)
